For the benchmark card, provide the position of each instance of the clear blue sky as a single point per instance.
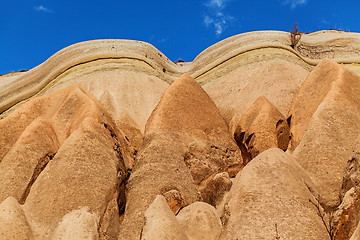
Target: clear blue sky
(32, 30)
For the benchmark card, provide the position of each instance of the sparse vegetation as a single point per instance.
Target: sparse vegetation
(180, 61)
(295, 35)
(329, 226)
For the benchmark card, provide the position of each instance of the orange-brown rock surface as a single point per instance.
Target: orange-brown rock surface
(254, 139)
(261, 127)
(331, 118)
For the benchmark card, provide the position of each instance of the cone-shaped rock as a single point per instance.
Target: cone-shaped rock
(261, 127)
(78, 224)
(13, 222)
(310, 95)
(85, 172)
(186, 144)
(187, 110)
(161, 222)
(58, 150)
(199, 221)
(270, 200)
(333, 126)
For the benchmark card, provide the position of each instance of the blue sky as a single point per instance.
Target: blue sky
(32, 30)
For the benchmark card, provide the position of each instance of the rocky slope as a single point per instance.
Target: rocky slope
(254, 139)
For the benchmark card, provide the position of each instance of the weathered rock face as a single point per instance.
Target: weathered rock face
(109, 139)
(310, 95)
(270, 199)
(356, 235)
(346, 216)
(78, 224)
(332, 129)
(199, 221)
(261, 127)
(13, 222)
(187, 143)
(67, 149)
(237, 88)
(161, 223)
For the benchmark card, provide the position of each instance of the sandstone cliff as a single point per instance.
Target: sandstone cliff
(254, 139)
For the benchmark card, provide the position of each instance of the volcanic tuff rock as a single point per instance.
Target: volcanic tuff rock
(13, 222)
(272, 193)
(333, 125)
(161, 223)
(199, 221)
(261, 127)
(109, 139)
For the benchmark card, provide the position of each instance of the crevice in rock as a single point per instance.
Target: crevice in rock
(245, 153)
(248, 139)
(346, 216)
(325, 218)
(283, 134)
(225, 215)
(288, 120)
(37, 170)
(111, 219)
(123, 176)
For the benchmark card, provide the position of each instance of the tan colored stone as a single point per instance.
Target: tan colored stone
(65, 148)
(310, 95)
(346, 216)
(175, 200)
(78, 224)
(13, 222)
(269, 199)
(216, 188)
(161, 223)
(261, 127)
(57, 151)
(25, 160)
(351, 175)
(86, 171)
(356, 235)
(186, 109)
(184, 134)
(332, 128)
(199, 221)
(239, 86)
(159, 167)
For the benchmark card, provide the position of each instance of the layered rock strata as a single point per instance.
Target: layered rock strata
(108, 139)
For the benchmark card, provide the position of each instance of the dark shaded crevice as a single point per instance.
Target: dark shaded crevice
(239, 139)
(37, 170)
(283, 135)
(112, 217)
(248, 139)
(288, 120)
(123, 174)
(279, 122)
(347, 216)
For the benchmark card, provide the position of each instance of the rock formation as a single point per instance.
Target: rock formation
(261, 127)
(332, 122)
(254, 139)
